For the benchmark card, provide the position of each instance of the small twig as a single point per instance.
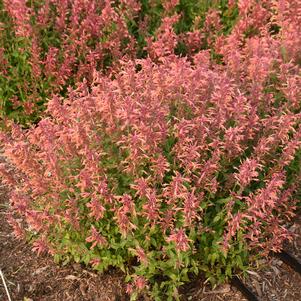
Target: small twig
(5, 286)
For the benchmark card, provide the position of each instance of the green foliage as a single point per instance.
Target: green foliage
(18, 85)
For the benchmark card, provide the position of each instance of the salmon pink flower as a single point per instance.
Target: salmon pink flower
(96, 239)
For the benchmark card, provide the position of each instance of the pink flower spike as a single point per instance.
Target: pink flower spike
(180, 239)
(95, 238)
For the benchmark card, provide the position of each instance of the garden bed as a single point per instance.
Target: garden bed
(31, 277)
(157, 144)
(38, 278)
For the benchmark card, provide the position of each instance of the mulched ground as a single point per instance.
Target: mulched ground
(275, 282)
(295, 246)
(37, 278)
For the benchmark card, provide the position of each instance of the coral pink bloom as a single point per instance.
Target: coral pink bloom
(180, 239)
(96, 239)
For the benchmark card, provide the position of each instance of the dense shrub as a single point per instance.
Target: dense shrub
(172, 166)
(47, 46)
(50, 45)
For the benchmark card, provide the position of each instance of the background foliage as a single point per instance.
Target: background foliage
(48, 46)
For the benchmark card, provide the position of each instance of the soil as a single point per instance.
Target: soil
(37, 278)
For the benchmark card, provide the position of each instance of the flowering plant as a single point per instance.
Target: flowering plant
(173, 166)
(47, 46)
